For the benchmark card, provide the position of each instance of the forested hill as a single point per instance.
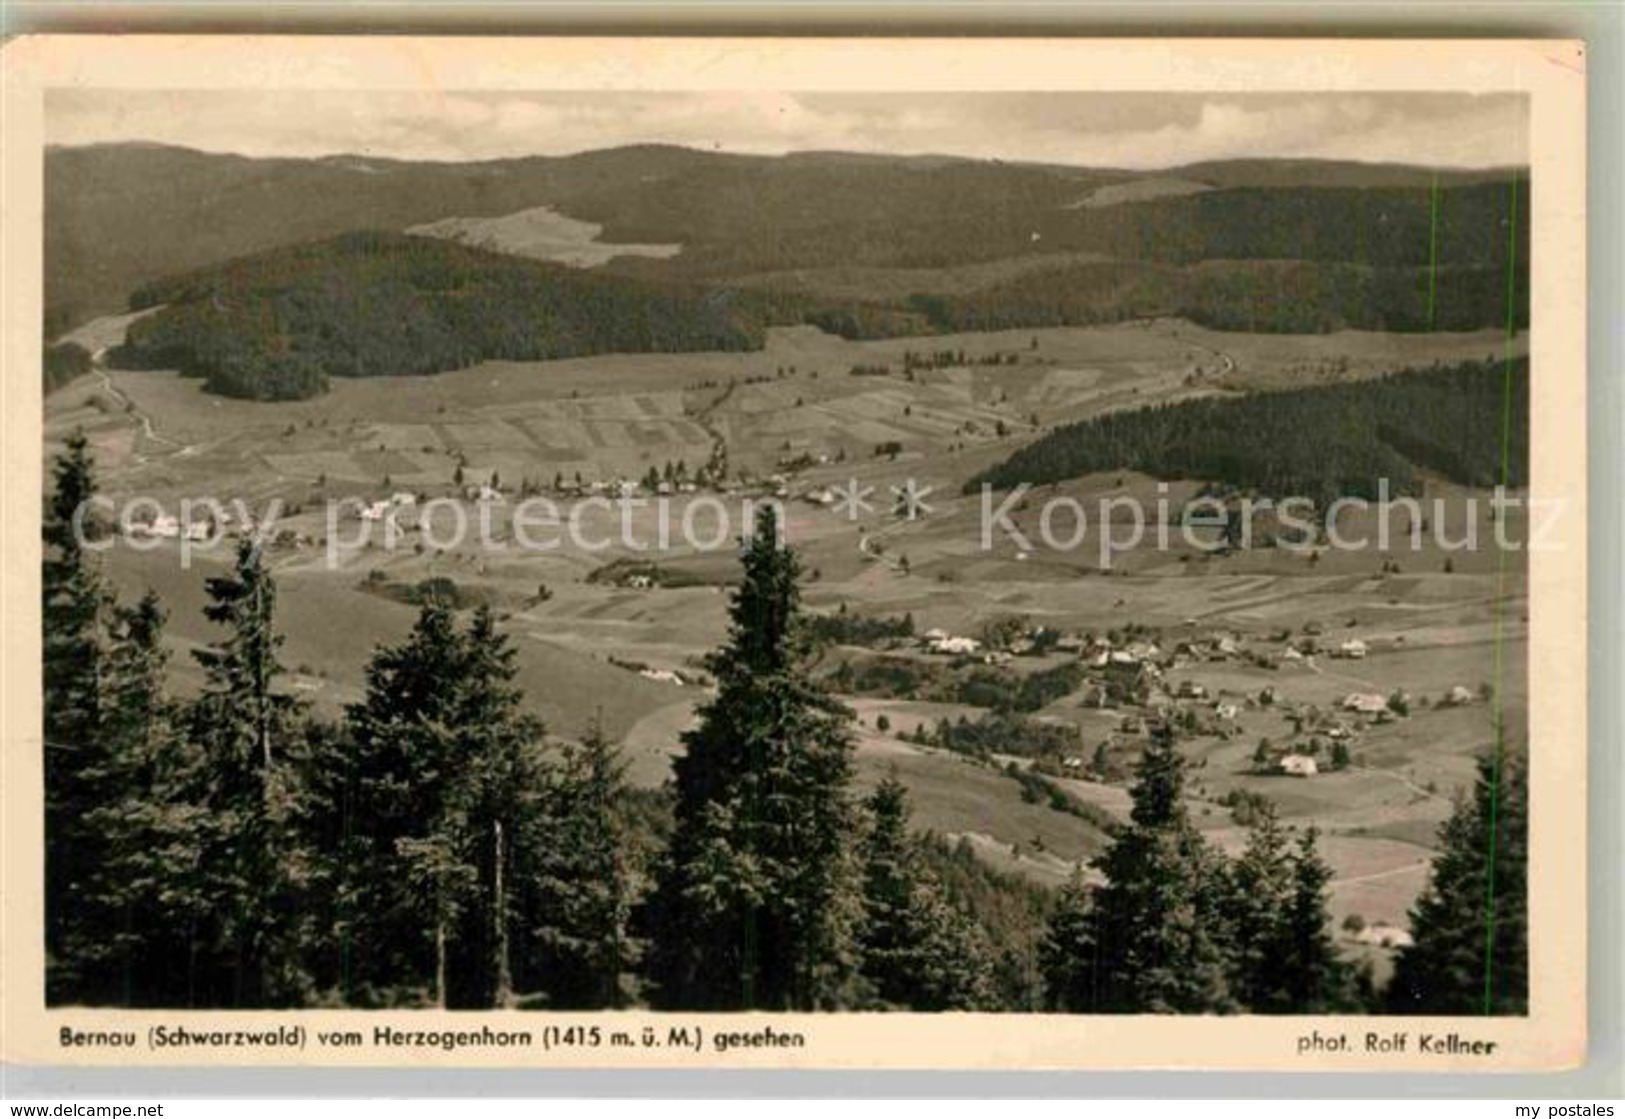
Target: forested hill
(276, 325)
(119, 216)
(1322, 443)
(1264, 296)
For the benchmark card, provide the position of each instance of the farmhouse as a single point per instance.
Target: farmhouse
(1297, 765)
(1352, 649)
(1384, 936)
(403, 499)
(166, 526)
(661, 676)
(375, 511)
(955, 646)
(1366, 703)
(1457, 696)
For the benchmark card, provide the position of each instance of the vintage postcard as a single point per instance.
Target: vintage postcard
(794, 553)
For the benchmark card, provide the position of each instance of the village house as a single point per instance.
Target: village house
(1365, 703)
(1352, 649)
(1297, 765)
(1384, 936)
(162, 525)
(954, 646)
(374, 510)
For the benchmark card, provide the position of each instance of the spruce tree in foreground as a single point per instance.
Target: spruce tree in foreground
(579, 890)
(401, 758)
(73, 603)
(1066, 955)
(250, 733)
(919, 952)
(141, 900)
(1157, 925)
(754, 900)
(1315, 979)
(445, 772)
(1471, 951)
(1258, 898)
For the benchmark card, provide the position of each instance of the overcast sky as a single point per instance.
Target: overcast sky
(1132, 130)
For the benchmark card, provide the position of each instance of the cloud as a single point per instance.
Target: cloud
(1131, 130)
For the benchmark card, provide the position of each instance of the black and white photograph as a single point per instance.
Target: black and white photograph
(545, 551)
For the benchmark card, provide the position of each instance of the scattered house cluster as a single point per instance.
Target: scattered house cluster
(167, 527)
(945, 644)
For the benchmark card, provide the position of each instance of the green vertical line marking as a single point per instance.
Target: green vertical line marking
(1433, 255)
(1498, 710)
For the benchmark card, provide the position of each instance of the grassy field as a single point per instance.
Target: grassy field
(541, 233)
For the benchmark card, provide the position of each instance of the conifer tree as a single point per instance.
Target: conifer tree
(1066, 954)
(918, 950)
(501, 784)
(73, 605)
(580, 890)
(445, 771)
(249, 733)
(142, 900)
(754, 900)
(1315, 979)
(1260, 893)
(1470, 952)
(402, 759)
(1157, 919)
